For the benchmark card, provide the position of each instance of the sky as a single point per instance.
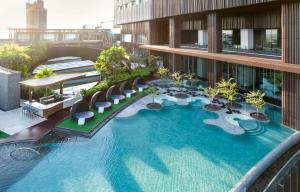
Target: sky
(61, 13)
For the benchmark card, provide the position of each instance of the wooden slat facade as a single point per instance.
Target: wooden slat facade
(291, 54)
(154, 9)
(214, 28)
(269, 20)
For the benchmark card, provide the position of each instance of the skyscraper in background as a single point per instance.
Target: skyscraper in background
(36, 15)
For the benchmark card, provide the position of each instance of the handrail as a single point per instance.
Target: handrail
(254, 173)
(283, 171)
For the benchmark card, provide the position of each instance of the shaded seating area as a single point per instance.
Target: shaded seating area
(139, 84)
(80, 112)
(126, 89)
(114, 95)
(99, 102)
(47, 106)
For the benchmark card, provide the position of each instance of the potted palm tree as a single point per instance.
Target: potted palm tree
(163, 73)
(178, 77)
(212, 93)
(152, 90)
(228, 89)
(256, 99)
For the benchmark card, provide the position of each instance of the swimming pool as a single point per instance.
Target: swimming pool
(167, 150)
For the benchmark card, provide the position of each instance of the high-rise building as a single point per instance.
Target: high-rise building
(36, 15)
(255, 42)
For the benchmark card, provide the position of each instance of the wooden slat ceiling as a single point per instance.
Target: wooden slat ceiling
(266, 63)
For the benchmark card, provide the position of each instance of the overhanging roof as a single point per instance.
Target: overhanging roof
(266, 63)
(44, 82)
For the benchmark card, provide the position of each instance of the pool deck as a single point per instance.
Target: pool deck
(38, 131)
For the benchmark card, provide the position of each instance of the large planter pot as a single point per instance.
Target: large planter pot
(260, 117)
(154, 106)
(181, 96)
(212, 107)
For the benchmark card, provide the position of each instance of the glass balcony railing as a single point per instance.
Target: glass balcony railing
(273, 52)
(194, 46)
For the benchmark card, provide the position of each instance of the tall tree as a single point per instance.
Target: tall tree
(15, 57)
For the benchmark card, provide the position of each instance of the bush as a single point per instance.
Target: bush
(111, 61)
(122, 76)
(16, 58)
(45, 72)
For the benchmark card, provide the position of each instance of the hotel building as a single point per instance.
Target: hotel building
(257, 42)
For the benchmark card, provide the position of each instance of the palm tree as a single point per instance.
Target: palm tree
(45, 72)
(163, 72)
(177, 77)
(153, 91)
(228, 89)
(212, 93)
(256, 99)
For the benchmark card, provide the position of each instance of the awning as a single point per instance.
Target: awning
(48, 81)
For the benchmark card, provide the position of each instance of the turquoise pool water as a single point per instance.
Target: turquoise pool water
(162, 151)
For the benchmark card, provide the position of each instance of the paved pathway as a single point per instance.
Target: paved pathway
(12, 122)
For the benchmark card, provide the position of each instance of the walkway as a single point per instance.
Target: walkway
(12, 122)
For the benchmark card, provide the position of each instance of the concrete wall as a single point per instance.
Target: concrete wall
(9, 89)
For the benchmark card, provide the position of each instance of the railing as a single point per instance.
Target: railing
(288, 178)
(253, 175)
(275, 52)
(194, 46)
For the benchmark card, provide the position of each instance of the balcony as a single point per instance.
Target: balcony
(275, 53)
(194, 46)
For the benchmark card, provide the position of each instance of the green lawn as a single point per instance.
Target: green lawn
(3, 135)
(99, 118)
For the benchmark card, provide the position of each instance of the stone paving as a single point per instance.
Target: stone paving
(12, 122)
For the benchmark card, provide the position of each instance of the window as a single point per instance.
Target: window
(127, 38)
(272, 38)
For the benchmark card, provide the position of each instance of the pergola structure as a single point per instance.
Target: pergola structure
(48, 81)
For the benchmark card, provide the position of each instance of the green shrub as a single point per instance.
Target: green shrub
(140, 71)
(16, 58)
(111, 61)
(45, 72)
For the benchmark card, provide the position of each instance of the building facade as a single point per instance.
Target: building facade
(36, 15)
(257, 42)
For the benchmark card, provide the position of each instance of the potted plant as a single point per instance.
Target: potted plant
(163, 73)
(177, 77)
(212, 93)
(256, 99)
(152, 90)
(228, 89)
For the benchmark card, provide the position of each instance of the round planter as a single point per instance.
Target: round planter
(181, 96)
(154, 106)
(212, 107)
(260, 117)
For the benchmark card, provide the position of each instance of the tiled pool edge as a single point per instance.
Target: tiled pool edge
(253, 174)
(99, 125)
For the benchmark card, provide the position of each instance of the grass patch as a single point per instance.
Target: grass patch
(3, 135)
(99, 118)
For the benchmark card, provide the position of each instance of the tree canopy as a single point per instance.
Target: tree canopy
(15, 57)
(256, 99)
(110, 61)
